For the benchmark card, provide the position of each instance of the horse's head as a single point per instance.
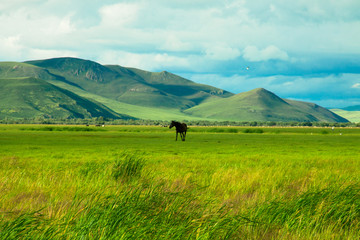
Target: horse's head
(172, 124)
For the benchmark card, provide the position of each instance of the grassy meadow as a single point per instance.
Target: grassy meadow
(137, 182)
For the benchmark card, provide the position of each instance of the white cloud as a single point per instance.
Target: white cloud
(10, 48)
(148, 61)
(222, 52)
(50, 53)
(299, 12)
(119, 14)
(7, 5)
(356, 85)
(65, 26)
(211, 29)
(253, 54)
(173, 43)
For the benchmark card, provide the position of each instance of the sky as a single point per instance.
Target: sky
(305, 50)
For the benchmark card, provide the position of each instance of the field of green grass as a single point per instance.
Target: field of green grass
(137, 182)
(352, 116)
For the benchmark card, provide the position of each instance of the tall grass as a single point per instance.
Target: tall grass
(130, 183)
(128, 166)
(146, 211)
(138, 212)
(315, 210)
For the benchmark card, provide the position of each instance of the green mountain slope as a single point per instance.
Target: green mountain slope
(21, 70)
(131, 86)
(16, 70)
(352, 116)
(181, 87)
(262, 105)
(32, 97)
(321, 114)
(136, 111)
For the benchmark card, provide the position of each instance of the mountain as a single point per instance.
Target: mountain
(133, 86)
(352, 108)
(352, 116)
(77, 88)
(262, 105)
(32, 97)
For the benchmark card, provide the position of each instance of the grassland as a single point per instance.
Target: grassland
(352, 116)
(124, 182)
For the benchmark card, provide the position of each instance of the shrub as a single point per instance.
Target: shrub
(232, 130)
(255, 130)
(60, 129)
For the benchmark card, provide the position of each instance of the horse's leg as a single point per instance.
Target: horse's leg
(176, 136)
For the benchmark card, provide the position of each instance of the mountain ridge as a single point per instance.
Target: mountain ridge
(262, 105)
(122, 90)
(129, 85)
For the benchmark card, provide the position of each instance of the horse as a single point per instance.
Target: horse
(180, 128)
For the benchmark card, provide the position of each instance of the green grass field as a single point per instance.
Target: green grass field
(134, 182)
(352, 116)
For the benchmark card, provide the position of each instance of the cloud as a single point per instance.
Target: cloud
(222, 52)
(10, 47)
(119, 14)
(253, 54)
(300, 12)
(214, 30)
(356, 85)
(50, 53)
(65, 26)
(173, 43)
(148, 61)
(8, 5)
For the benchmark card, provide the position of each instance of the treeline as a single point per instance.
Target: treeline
(103, 121)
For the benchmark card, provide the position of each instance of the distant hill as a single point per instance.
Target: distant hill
(33, 97)
(352, 113)
(352, 116)
(262, 105)
(77, 88)
(352, 108)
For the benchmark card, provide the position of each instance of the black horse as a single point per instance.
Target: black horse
(180, 128)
